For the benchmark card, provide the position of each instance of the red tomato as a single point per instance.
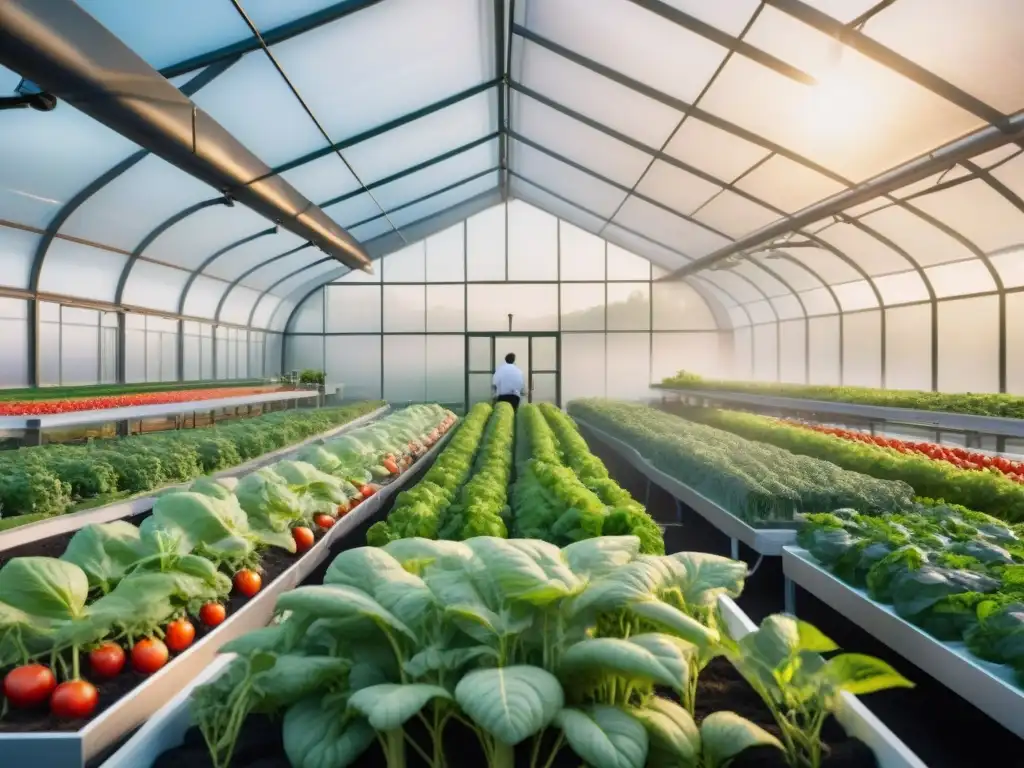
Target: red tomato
(107, 660)
(75, 698)
(323, 521)
(149, 655)
(367, 491)
(303, 538)
(179, 635)
(212, 614)
(391, 466)
(29, 686)
(248, 582)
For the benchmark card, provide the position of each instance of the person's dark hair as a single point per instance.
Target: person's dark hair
(510, 358)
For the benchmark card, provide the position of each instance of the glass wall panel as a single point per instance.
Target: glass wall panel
(353, 361)
(405, 266)
(446, 369)
(446, 255)
(855, 295)
(969, 345)
(698, 353)
(49, 353)
(677, 306)
(908, 347)
(134, 355)
(742, 354)
(1015, 343)
(190, 344)
(352, 309)
(532, 243)
(303, 352)
(582, 254)
(825, 350)
(628, 365)
(787, 307)
(309, 318)
(534, 307)
(583, 306)
(901, 288)
(962, 277)
(272, 355)
(629, 306)
(766, 352)
(73, 269)
(862, 349)
(623, 265)
(446, 308)
(404, 308)
(405, 369)
(79, 346)
(583, 366)
(793, 351)
(485, 243)
(17, 251)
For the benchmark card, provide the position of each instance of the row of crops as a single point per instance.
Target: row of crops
(81, 629)
(867, 512)
(517, 607)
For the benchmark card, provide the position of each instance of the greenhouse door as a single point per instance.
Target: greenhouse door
(537, 354)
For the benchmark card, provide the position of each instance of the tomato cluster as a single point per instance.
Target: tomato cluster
(69, 405)
(961, 458)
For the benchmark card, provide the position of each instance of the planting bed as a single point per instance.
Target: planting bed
(130, 697)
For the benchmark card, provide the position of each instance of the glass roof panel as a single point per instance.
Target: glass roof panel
(165, 32)
(261, 318)
(978, 212)
(364, 233)
(997, 156)
(794, 274)
(713, 150)
(948, 175)
(422, 139)
(577, 141)
(572, 184)
(438, 203)
(901, 288)
(737, 286)
(960, 278)
(761, 312)
(74, 269)
(824, 263)
(739, 317)
(203, 297)
(17, 251)
(353, 210)
(124, 211)
(595, 96)
(154, 286)
(1011, 173)
(306, 276)
(594, 28)
(676, 188)
(76, 149)
(325, 178)
(787, 307)
(657, 254)
(726, 298)
(532, 194)
(267, 275)
(734, 215)
(1010, 267)
(854, 96)
(282, 132)
(267, 14)
(968, 44)
(729, 17)
(855, 295)
(761, 277)
(236, 261)
(843, 10)
(819, 302)
(437, 176)
(874, 256)
(787, 185)
(396, 57)
(189, 242)
(660, 225)
(863, 209)
(238, 305)
(925, 242)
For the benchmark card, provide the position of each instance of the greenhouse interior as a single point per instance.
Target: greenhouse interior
(511, 383)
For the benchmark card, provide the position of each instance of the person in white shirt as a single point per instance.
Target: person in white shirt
(508, 382)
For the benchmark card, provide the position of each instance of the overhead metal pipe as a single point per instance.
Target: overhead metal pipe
(945, 157)
(59, 46)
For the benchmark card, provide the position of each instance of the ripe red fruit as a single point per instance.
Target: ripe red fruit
(29, 685)
(107, 660)
(248, 582)
(212, 614)
(75, 698)
(323, 521)
(149, 655)
(179, 635)
(303, 537)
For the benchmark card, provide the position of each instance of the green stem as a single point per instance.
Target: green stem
(75, 672)
(554, 750)
(502, 755)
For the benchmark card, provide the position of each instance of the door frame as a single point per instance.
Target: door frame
(530, 336)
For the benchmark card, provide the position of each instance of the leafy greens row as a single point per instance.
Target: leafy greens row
(986, 491)
(758, 483)
(982, 404)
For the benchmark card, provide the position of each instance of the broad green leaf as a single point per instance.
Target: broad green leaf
(105, 552)
(813, 639)
(44, 587)
(477, 621)
(268, 504)
(372, 664)
(258, 640)
(860, 674)
(703, 578)
(672, 652)
(524, 572)
(388, 706)
(634, 582)
(599, 556)
(510, 703)
(330, 601)
(320, 737)
(605, 737)
(675, 738)
(614, 657)
(416, 553)
(675, 621)
(437, 659)
(220, 526)
(293, 678)
(280, 539)
(725, 734)
(775, 640)
(208, 486)
(365, 568)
